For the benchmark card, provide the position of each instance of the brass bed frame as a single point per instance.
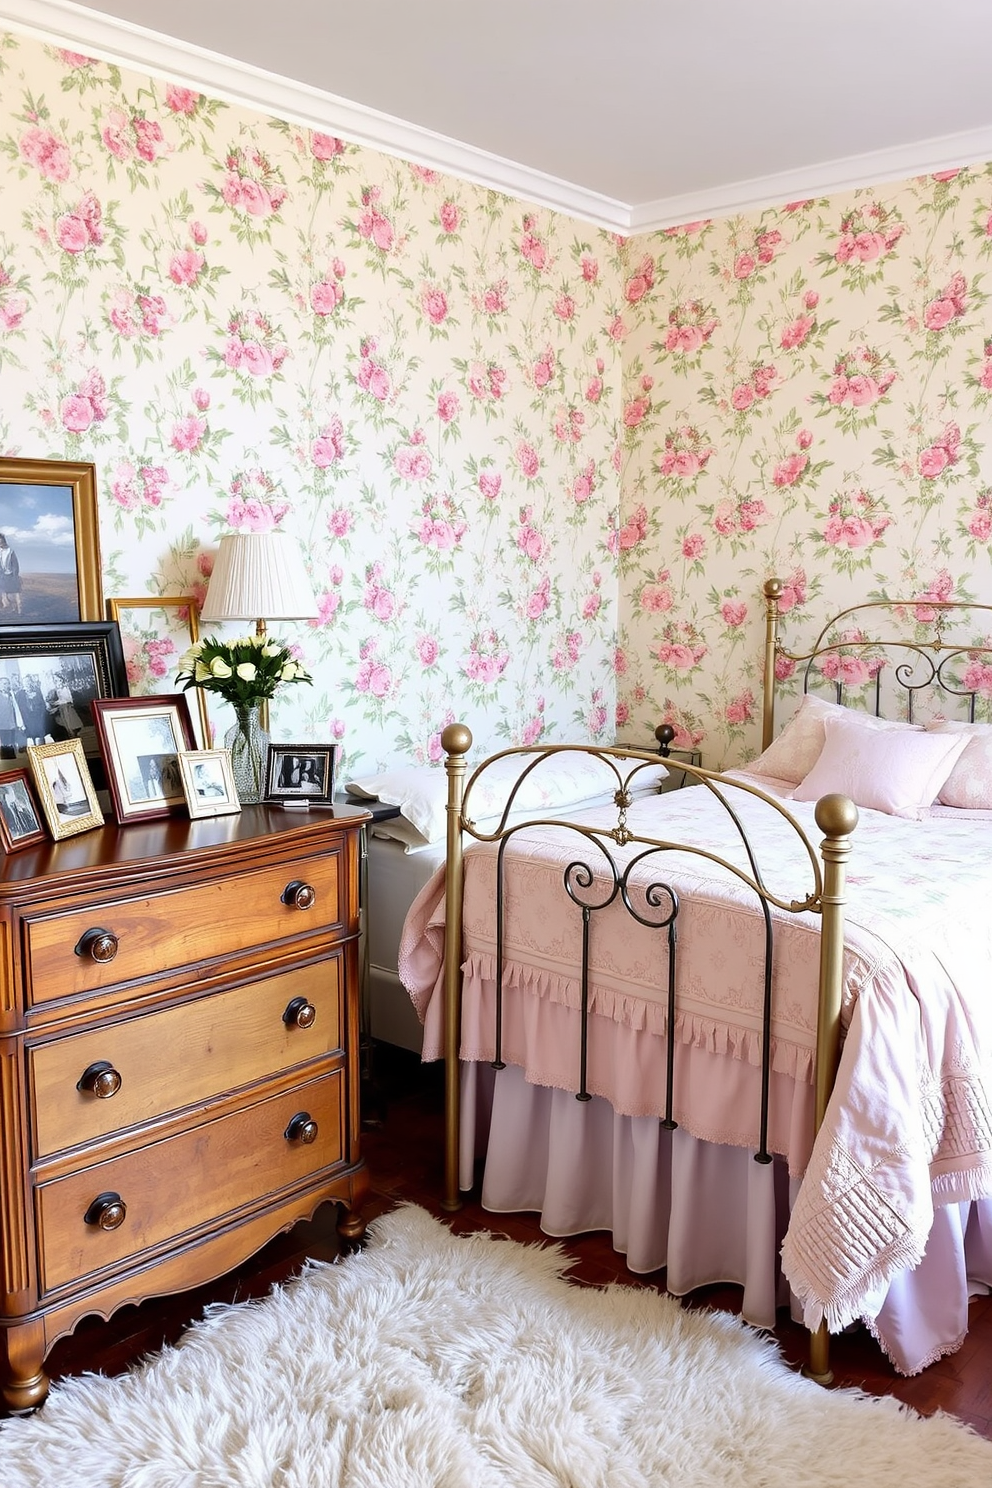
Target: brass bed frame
(926, 661)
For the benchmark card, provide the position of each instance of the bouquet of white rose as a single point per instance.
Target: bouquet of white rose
(243, 671)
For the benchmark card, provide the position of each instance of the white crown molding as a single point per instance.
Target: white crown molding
(62, 23)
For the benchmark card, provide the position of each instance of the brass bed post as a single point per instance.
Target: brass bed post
(773, 588)
(456, 741)
(837, 817)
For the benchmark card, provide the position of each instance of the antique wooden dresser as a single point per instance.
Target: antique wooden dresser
(178, 1060)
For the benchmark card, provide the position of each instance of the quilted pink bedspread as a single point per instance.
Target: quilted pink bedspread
(910, 1122)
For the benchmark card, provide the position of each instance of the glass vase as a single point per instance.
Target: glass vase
(248, 743)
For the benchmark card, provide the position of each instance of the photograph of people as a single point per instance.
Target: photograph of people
(66, 722)
(67, 786)
(34, 710)
(11, 722)
(208, 781)
(10, 580)
(301, 772)
(18, 812)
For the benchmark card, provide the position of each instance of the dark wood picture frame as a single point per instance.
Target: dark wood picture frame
(39, 501)
(140, 740)
(89, 656)
(299, 775)
(21, 822)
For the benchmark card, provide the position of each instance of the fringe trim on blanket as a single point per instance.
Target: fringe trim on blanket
(637, 1013)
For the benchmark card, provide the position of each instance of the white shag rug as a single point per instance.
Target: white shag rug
(431, 1360)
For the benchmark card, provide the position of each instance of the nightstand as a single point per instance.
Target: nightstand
(377, 811)
(675, 780)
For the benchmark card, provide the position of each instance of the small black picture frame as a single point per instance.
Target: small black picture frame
(299, 774)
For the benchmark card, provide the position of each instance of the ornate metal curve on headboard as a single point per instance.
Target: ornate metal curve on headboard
(941, 655)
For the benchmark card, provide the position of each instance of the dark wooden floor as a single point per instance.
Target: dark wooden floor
(403, 1105)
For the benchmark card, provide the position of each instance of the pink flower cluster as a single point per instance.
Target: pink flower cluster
(494, 299)
(759, 255)
(741, 708)
(685, 453)
(867, 234)
(412, 461)
(379, 600)
(980, 521)
(325, 146)
(733, 613)
(251, 506)
(731, 518)
(636, 409)
(690, 326)
(487, 658)
(793, 591)
(656, 595)
(13, 307)
(568, 425)
(855, 521)
(681, 649)
(373, 677)
(182, 100)
(977, 677)
(329, 602)
(373, 225)
(251, 184)
(449, 216)
(252, 345)
(534, 727)
(47, 153)
(448, 407)
(86, 406)
(860, 379)
(434, 304)
(852, 671)
(544, 368)
(133, 487)
(76, 231)
(487, 381)
(538, 600)
(186, 266)
(584, 483)
(326, 294)
(127, 136)
(528, 462)
(328, 447)
(490, 484)
(948, 305)
(640, 281)
(428, 650)
(758, 385)
(788, 471)
(187, 433)
(938, 591)
(441, 525)
(133, 314)
(157, 654)
(943, 452)
(795, 333)
(372, 376)
(529, 540)
(532, 246)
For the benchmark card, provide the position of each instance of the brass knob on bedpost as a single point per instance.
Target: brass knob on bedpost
(300, 1014)
(302, 1128)
(299, 895)
(664, 733)
(107, 1212)
(100, 1079)
(99, 945)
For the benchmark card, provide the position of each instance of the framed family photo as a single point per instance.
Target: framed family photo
(299, 774)
(141, 739)
(49, 543)
(20, 822)
(50, 677)
(65, 787)
(208, 782)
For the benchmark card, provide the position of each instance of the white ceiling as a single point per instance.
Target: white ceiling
(631, 113)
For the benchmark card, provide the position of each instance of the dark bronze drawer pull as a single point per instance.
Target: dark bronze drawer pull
(302, 1128)
(300, 1014)
(100, 1079)
(107, 1212)
(98, 945)
(299, 895)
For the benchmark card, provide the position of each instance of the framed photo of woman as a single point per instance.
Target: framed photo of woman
(20, 822)
(141, 738)
(65, 787)
(50, 570)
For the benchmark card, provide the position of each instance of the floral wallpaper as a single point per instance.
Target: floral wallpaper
(807, 395)
(242, 322)
(539, 473)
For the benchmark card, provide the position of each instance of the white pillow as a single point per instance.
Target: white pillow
(899, 771)
(559, 782)
(969, 784)
(795, 751)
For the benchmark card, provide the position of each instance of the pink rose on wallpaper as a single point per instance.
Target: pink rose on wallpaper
(616, 330)
(594, 389)
(676, 655)
(544, 368)
(325, 146)
(744, 265)
(584, 484)
(497, 382)
(742, 397)
(434, 303)
(428, 650)
(47, 153)
(187, 433)
(325, 296)
(766, 244)
(938, 314)
(530, 542)
(377, 229)
(635, 411)
(793, 591)
(373, 378)
(149, 139)
(253, 198)
(693, 545)
(784, 668)
(539, 600)
(564, 307)
(635, 529)
(932, 461)
(640, 281)
(181, 100)
(532, 731)
(752, 514)
(533, 249)
(980, 525)
(495, 297)
(788, 471)
(590, 268)
(853, 671)
(490, 484)
(201, 399)
(77, 413)
(254, 515)
(811, 299)
(198, 233)
(741, 708)
(656, 599)
(185, 267)
(205, 564)
(71, 233)
(734, 613)
(374, 677)
(412, 463)
(978, 678)
(804, 439)
(725, 518)
(763, 378)
(591, 606)
(527, 460)
(449, 216)
(685, 338)
(622, 715)
(258, 359)
(339, 522)
(448, 407)
(329, 444)
(795, 333)
(12, 312)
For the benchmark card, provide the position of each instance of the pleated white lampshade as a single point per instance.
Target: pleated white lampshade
(259, 576)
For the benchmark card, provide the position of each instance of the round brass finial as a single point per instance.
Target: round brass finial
(836, 815)
(456, 738)
(773, 588)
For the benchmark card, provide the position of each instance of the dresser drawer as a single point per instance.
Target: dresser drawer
(159, 932)
(183, 1055)
(186, 1182)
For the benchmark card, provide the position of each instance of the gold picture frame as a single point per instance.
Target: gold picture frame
(65, 787)
(48, 508)
(117, 611)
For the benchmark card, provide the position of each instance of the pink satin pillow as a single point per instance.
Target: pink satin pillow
(969, 784)
(898, 771)
(797, 748)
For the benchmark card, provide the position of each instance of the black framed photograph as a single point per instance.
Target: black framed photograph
(50, 571)
(50, 676)
(208, 781)
(65, 787)
(20, 822)
(299, 774)
(141, 739)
